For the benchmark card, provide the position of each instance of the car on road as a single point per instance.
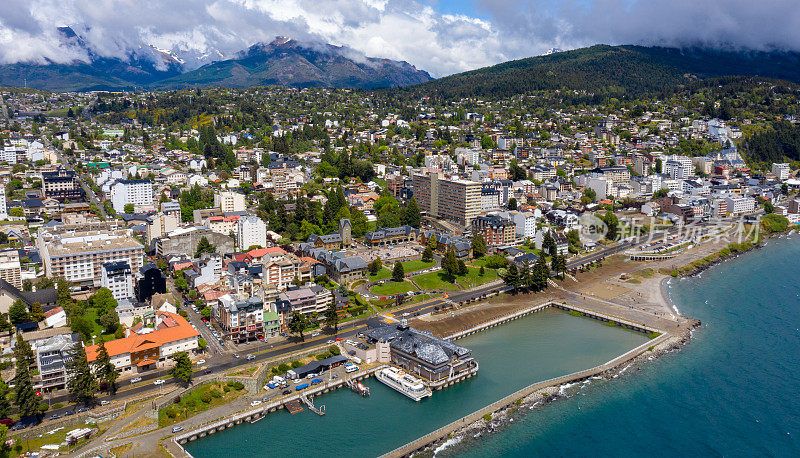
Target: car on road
(207, 371)
(236, 355)
(104, 402)
(176, 429)
(136, 379)
(159, 382)
(339, 339)
(255, 403)
(200, 361)
(83, 409)
(315, 334)
(249, 357)
(69, 412)
(55, 416)
(330, 341)
(285, 392)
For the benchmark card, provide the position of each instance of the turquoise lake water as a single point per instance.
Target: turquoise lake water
(733, 391)
(539, 347)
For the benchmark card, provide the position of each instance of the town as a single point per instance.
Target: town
(152, 239)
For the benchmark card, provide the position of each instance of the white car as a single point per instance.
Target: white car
(249, 357)
(200, 361)
(136, 379)
(255, 403)
(159, 382)
(315, 334)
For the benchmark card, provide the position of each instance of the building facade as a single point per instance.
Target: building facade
(117, 277)
(139, 193)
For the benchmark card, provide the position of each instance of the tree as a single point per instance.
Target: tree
(525, 278)
(24, 396)
(375, 266)
(427, 255)
(612, 224)
(18, 312)
(128, 208)
(482, 271)
(511, 277)
(82, 326)
(358, 222)
(23, 350)
(398, 273)
(103, 301)
(204, 246)
(37, 314)
(64, 299)
(5, 325)
(5, 404)
(105, 369)
(17, 212)
(205, 312)
(81, 384)
(412, 213)
(27, 285)
(549, 244)
(450, 264)
(332, 318)
(297, 324)
(540, 275)
(432, 242)
(768, 207)
(512, 203)
(182, 370)
(558, 265)
(478, 245)
(110, 321)
(462, 267)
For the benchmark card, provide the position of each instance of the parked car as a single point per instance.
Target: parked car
(7, 421)
(285, 392)
(83, 409)
(69, 412)
(159, 382)
(176, 429)
(255, 403)
(55, 416)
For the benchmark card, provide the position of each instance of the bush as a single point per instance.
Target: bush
(206, 397)
(226, 388)
(334, 350)
(58, 405)
(215, 393)
(191, 403)
(487, 417)
(283, 367)
(43, 407)
(171, 412)
(296, 364)
(238, 386)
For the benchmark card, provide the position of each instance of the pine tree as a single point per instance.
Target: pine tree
(297, 324)
(512, 277)
(525, 277)
(105, 369)
(398, 273)
(332, 318)
(427, 255)
(5, 404)
(23, 350)
(182, 370)
(478, 245)
(549, 245)
(450, 264)
(24, 396)
(81, 383)
(413, 216)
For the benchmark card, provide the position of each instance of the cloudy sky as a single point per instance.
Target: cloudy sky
(440, 36)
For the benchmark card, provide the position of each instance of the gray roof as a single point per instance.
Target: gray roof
(421, 344)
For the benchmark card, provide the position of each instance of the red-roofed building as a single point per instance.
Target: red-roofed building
(150, 348)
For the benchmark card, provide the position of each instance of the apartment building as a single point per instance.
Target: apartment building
(117, 277)
(251, 231)
(136, 192)
(781, 171)
(61, 184)
(448, 198)
(150, 347)
(229, 201)
(77, 253)
(10, 267)
(241, 320)
(495, 230)
(53, 354)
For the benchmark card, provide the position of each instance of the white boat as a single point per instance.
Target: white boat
(404, 383)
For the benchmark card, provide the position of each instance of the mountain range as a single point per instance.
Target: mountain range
(284, 62)
(599, 69)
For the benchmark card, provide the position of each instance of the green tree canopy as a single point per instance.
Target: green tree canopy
(182, 370)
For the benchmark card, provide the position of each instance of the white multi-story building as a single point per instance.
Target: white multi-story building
(229, 201)
(526, 224)
(737, 204)
(678, 167)
(3, 207)
(117, 277)
(136, 192)
(251, 231)
(781, 171)
(10, 268)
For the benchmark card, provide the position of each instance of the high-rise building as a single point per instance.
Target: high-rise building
(448, 198)
(229, 201)
(77, 252)
(251, 231)
(10, 268)
(781, 171)
(117, 277)
(136, 192)
(61, 184)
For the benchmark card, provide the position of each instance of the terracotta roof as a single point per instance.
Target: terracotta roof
(177, 329)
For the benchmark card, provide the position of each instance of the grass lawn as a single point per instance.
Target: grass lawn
(192, 403)
(413, 266)
(435, 280)
(473, 277)
(57, 437)
(383, 273)
(392, 287)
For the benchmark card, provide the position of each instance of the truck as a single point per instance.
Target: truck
(316, 380)
(301, 386)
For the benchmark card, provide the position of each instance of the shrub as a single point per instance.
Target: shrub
(215, 393)
(334, 350)
(238, 386)
(296, 364)
(575, 313)
(283, 367)
(58, 405)
(487, 417)
(171, 412)
(43, 407)
(206, 397)
(191, 403)
(226, 388)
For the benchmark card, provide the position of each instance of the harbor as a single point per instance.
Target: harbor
(536, 339)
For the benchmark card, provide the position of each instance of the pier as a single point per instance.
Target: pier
(317, 410)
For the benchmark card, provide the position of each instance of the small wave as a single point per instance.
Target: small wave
(563, 389)
(448, 443)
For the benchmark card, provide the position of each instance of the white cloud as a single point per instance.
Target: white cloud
(410, 30)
